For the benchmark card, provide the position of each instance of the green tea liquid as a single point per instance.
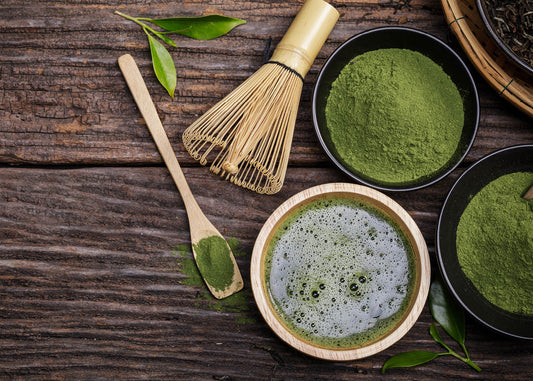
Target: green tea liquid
(339, 273)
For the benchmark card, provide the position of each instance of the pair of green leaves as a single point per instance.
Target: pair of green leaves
(450, 317)
(200, 28)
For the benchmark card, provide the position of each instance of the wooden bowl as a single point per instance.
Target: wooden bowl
(371, 198)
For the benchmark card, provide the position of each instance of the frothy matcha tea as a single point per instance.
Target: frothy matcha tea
(339, 273)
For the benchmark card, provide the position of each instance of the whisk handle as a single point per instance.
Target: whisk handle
(306, 35)
(147, 108)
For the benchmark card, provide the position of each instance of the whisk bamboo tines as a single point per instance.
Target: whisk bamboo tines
(249, 132)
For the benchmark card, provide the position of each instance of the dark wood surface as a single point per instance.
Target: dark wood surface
(90, 285)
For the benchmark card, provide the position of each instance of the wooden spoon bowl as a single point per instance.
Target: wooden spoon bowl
(371, 198)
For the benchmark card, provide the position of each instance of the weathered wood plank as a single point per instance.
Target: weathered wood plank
(89, 285)
(64, 101)
(90, 289)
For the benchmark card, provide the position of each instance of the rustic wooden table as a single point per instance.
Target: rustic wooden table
(92, 282)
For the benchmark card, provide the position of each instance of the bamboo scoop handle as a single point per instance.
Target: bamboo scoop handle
(200, 226)
(146, 106)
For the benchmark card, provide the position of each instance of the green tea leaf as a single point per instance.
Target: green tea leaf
(166, 39)
(408, 359)
(164, 68)
(434, 332)
(205, 28)
(446, 311)
(200, 28)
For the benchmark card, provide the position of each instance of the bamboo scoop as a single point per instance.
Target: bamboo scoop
(529, 194)
(200, 226)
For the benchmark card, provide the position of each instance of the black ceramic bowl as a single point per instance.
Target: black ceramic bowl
(403, 38)
(485, 17)
(508, 160)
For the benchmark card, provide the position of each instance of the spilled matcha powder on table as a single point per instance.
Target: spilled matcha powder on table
(213, 257)
(394, 116)
(495, 243)
(239, 302)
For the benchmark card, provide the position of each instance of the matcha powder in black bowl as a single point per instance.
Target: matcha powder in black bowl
(394, 115)
(395, 108)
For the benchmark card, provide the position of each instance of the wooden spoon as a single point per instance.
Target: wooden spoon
(200, 226)
(529, 194)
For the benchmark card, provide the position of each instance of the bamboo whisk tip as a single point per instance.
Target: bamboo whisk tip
(230, 167)
(249, 132)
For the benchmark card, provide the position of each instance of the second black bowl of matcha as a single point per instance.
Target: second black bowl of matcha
(395, 108)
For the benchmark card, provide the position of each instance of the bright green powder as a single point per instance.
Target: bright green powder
(495, 243)
(394, 116)
(240, 302)
(213, 257)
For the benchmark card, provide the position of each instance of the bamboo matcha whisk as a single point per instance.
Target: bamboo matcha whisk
(249, 132)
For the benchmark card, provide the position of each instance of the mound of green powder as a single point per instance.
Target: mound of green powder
(214, 262)
(239, 303)
(495, 243)
(394, 116)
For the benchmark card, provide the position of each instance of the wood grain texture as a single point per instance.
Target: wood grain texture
(63, 100)
(90, 287)
(90, 217)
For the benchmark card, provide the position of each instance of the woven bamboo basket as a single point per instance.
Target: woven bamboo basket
(510, 81)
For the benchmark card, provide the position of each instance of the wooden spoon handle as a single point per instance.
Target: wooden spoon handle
(146, 106)
(200, 226)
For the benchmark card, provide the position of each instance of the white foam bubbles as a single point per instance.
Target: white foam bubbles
(338, 270)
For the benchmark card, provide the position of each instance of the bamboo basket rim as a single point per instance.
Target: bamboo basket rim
(508, 85)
